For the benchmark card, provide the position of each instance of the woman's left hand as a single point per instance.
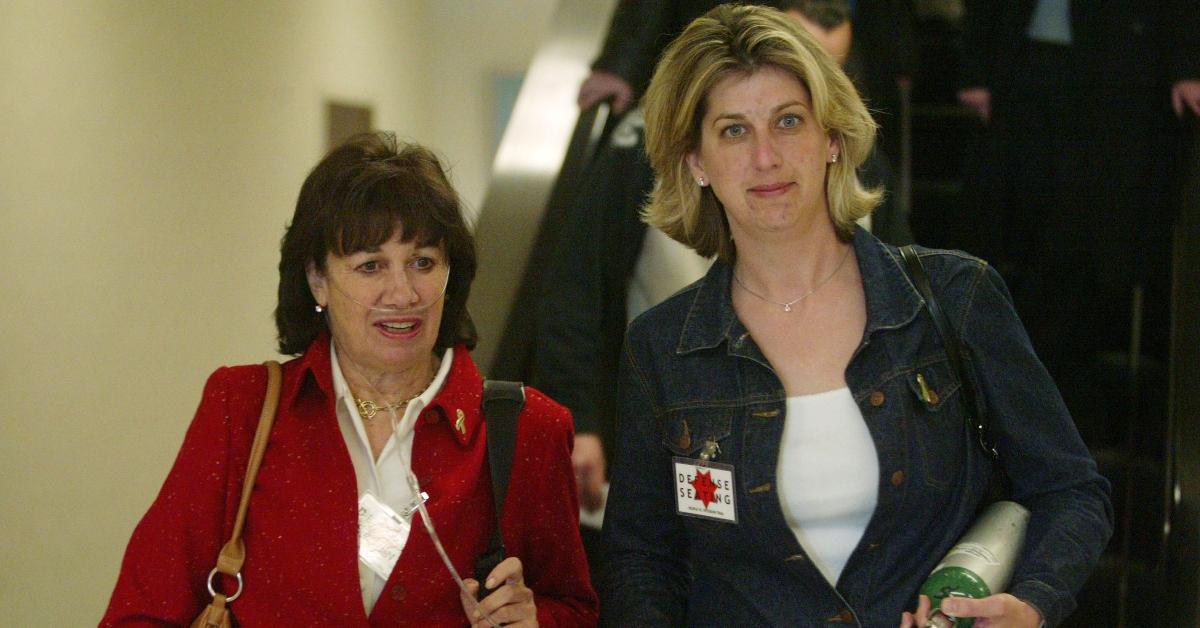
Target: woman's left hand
(510, 604)
(993, 611)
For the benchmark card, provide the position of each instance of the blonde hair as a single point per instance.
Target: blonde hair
(739, 40)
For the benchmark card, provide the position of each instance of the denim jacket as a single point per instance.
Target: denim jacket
(691, 373)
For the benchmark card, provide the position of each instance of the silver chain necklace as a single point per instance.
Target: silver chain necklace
(787, 307)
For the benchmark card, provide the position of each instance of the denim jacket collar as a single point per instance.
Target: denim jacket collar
(892, 301)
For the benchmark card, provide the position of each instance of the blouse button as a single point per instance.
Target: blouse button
(877, 398)
(898, 478)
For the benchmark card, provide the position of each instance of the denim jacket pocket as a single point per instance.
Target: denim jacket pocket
(934, 385)
(685, 432)
(938, 420)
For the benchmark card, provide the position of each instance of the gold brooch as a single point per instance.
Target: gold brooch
(685, 439)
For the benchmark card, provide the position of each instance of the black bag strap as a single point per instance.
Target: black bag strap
(976, 416)
(502, 403)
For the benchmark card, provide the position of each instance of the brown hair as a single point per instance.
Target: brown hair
(355, 199)
(727, 41)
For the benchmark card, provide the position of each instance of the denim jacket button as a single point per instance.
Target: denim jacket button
(898, 478)
(844, 616)
(877, 398)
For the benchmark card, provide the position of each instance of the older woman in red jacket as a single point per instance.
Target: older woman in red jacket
(381, 409)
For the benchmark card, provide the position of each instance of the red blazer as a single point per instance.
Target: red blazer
(301, 535)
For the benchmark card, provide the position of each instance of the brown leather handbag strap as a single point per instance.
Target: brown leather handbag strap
(233, 555)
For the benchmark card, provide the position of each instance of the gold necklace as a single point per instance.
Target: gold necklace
(787, 307)
(367, 409)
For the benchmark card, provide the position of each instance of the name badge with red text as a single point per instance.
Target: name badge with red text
(704, 489)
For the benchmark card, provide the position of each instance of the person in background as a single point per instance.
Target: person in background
(1081, 102)
(829, 22)
(637, 35)
(380, 409)
(882, 60)
(583, 309)
(791, 442)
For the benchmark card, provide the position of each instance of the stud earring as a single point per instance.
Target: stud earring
(833, 158)
(701, 182)
(319, 308)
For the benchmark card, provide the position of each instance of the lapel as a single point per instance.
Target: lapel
(449, 461)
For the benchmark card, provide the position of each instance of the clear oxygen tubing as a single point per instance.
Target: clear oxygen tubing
(413, 484)
(426, 301)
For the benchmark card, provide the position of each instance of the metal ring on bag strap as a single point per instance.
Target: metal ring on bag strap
(233, 550)
(213, 592)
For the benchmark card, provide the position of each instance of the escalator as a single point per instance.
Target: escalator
(539, 164)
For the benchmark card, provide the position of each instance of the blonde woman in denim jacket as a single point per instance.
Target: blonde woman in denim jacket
(791, 444)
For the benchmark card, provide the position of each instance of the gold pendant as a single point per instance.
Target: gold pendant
(367, 409)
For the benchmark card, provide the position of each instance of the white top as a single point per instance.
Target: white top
(827, 477)
(663, 268)
(384, 478)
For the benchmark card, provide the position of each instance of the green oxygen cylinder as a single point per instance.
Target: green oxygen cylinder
(981, 564)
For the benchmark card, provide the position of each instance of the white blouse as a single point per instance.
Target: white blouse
(827, 477)
(384, 478)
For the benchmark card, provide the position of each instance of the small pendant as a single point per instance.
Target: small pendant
(367, 409)
(787, 307)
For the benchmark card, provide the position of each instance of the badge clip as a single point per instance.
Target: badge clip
(710, 451)
(408, 511)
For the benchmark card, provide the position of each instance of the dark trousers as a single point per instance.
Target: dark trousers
(1083, 179)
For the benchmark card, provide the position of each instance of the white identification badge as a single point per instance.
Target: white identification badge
(382, 534)
(704, 489)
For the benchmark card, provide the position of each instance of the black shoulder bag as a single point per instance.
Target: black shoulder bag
(975, 414)
(502, 402)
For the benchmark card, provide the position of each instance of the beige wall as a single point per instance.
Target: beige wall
(470, 43)
(150, 153)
